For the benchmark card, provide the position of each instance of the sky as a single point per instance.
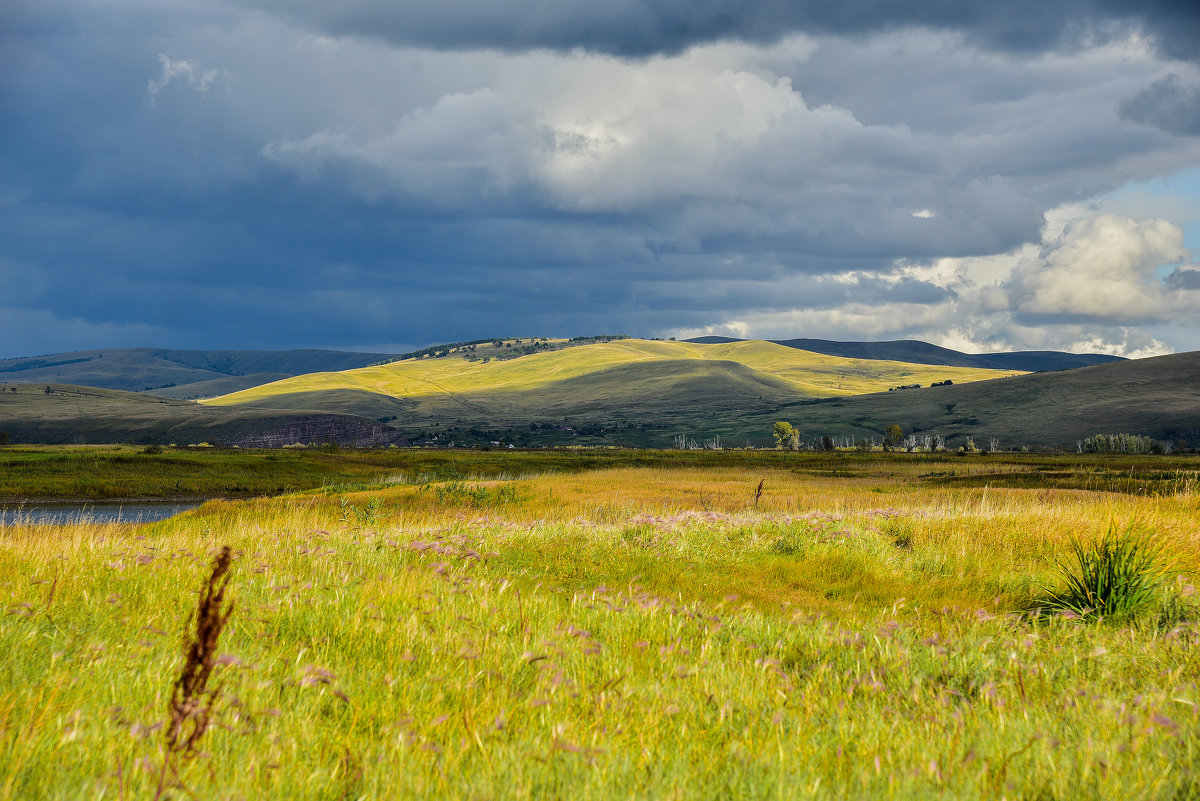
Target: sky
(386, 174)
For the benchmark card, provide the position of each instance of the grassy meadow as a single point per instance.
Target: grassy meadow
(862, 629)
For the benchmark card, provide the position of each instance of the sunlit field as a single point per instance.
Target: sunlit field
(829, 628)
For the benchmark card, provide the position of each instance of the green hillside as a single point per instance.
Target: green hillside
(638, 393)
(218, 386)
(789, 372)
(1157, 397)
(635, 393)
(67, 414)
(629, 391)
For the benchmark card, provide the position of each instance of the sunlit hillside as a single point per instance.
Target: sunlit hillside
(774, 369)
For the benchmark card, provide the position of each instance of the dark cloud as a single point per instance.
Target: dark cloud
(1183, 278)
(646, 27)
(1169, 104)
(221, 178)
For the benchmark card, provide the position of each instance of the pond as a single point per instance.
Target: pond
(49, 514)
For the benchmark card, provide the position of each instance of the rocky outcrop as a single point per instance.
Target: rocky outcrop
(320, 429)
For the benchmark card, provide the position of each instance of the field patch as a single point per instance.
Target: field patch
(656, 631)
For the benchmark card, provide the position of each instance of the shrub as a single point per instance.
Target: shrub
(892, 436)
(1119, 443)
(786, 435)
(1115, 577)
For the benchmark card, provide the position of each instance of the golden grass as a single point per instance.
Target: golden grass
(622, 633)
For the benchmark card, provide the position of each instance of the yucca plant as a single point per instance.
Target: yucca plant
(1114, 577)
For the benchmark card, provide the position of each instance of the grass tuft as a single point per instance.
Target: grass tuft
(1114, 578)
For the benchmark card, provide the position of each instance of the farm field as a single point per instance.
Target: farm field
(503, 627)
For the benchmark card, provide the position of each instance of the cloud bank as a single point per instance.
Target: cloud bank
(302, 174)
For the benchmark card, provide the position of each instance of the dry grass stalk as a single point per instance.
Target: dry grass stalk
(192, 700)
(758, 492)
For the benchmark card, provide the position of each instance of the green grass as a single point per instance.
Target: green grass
(631, 631)
(99, 472)
(1114, 578)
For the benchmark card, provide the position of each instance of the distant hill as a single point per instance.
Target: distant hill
(645, 393)
(638, 393)
(765, 369)
(179, 373)
(916, 352)
(68, 414)
(627, 385)
(1157, 397)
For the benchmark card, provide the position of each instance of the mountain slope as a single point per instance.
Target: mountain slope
(142, 369)
(917, 352)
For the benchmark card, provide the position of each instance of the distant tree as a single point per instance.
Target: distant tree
(48, 390)
(826, 443)
(3, 439)
(893, 436)
(786, 435)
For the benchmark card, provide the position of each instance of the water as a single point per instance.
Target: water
(47, 514)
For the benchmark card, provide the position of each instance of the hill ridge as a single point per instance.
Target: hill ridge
(916, 351)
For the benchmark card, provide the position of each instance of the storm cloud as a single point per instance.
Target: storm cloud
(641, 28)
(368, 174)
(1168, 104)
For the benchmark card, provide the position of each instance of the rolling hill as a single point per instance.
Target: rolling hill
(786, 372)
(178, 373)
(634, 392)
(646, 392)
(620, 386)
(916, 352)
(1157, 397)
(68, 414)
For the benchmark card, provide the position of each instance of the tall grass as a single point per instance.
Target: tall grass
(632, 633)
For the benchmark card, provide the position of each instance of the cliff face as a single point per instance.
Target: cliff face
(320, 429)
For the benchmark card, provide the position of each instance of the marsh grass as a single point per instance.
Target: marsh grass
(620, 633)
(1115, 578)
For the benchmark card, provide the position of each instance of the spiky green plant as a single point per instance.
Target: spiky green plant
(1113, 578)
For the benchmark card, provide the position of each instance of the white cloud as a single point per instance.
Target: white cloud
(188, 71)
(1091, 286)
(1101, 267)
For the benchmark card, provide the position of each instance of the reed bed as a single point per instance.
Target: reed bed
(622, 633)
